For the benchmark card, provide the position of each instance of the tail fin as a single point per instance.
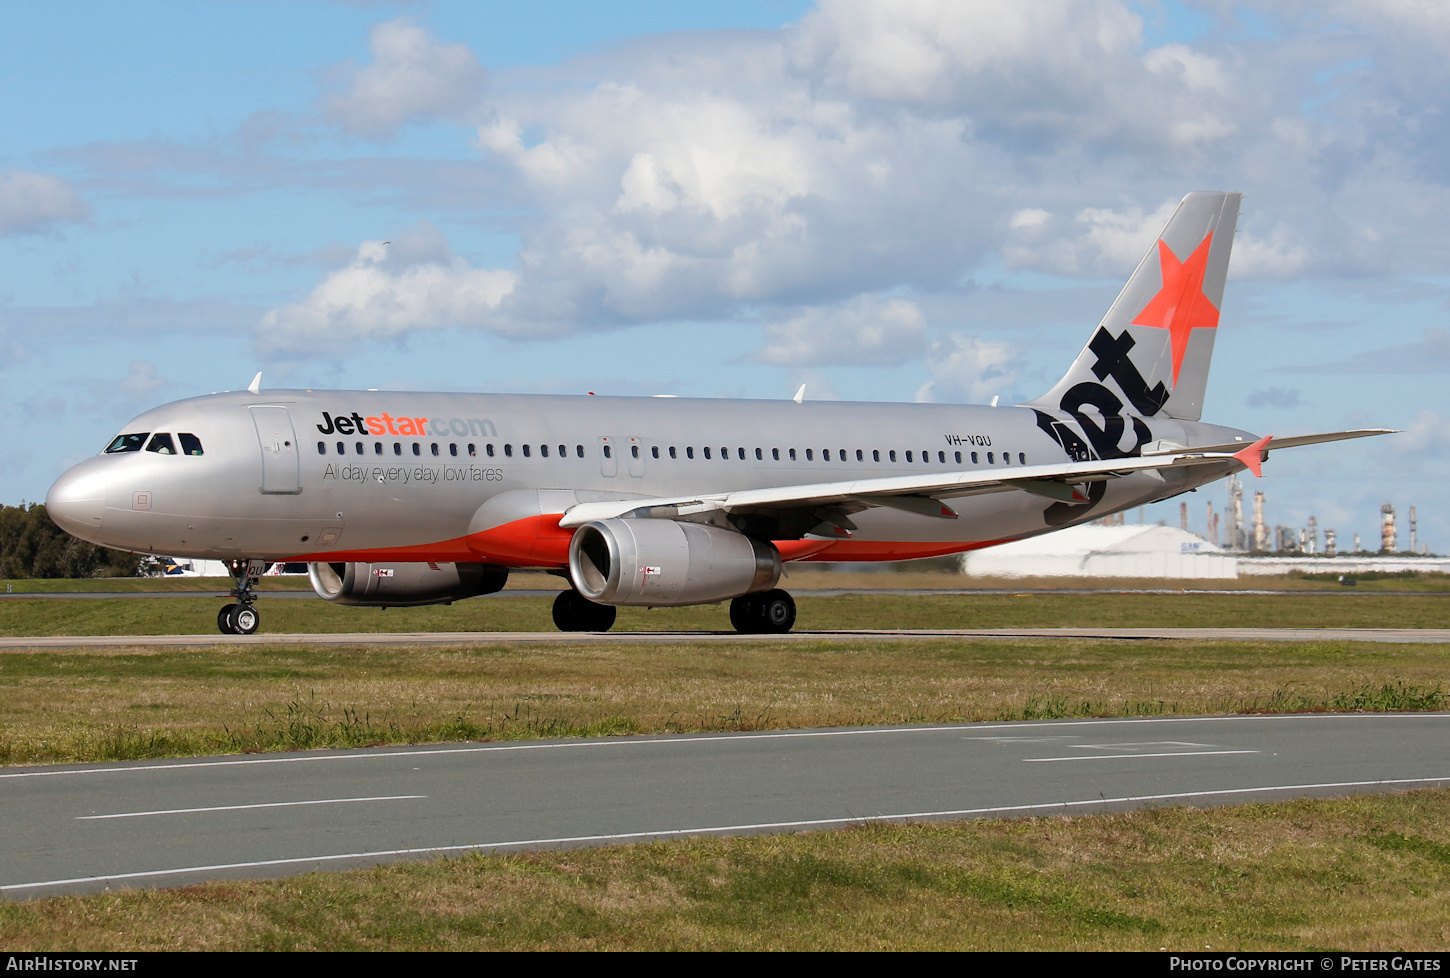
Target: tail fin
(1150, 354)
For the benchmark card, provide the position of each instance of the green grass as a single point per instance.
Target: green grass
(1364, 873)
(89, 704)
(167, 616)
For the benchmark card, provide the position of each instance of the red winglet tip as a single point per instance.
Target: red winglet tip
(1253, 456)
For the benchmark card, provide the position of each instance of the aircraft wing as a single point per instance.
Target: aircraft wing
(921, 494)
(1293, 441)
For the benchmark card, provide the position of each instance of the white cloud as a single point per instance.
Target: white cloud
(865, 330)
(875, 146)
(35, 202)
(1426, 436)
(389, 290)
(411, 77)
(970, 369)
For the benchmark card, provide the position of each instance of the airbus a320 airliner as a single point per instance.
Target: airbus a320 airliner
(397, 498)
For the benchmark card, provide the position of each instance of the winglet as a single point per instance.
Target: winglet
(800, 395)
(1253, 456)
(255, 386)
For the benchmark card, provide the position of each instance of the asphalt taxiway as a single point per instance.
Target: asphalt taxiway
(81, 828)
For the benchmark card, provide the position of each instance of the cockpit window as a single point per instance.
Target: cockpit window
(162, 444)
(190, 444)
(127, 443)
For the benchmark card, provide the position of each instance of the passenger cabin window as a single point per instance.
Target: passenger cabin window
(579, 450)
(162, 444)
(792, 455)
(190, 444)
(543, 451)
(672, 452)
(810, 454)
(974, 458)
(397, 448)
(941, 457)
(417, 448)
(322, 448)
(127, 443)
(908, 456)
(689, 451)
(654, 450)
(860, 455)
(991, 459)
(775, 454)
(357, 447)
(526, 451)
(377, 448)
(452, 449)
(875, 454)
(564, 451)
(342, 449)
(1021, 458)
(472, 450)
(488, 449)
(891, 454)
(959, 458)
(707, 451)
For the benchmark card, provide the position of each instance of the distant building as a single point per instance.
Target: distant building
(1105, 551)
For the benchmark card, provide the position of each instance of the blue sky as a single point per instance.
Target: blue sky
(929, 200)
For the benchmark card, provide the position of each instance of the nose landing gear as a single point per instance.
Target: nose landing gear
(240, 618)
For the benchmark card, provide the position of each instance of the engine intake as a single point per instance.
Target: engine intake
(662, 563)
(404, 585)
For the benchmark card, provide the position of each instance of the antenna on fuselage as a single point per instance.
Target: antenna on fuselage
(255, 386)
(800, 395)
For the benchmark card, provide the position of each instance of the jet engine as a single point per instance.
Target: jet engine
(403, 585)
(660, 563)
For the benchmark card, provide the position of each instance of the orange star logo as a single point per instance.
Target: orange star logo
(1180, 306)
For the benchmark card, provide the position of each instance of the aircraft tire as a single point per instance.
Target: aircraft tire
(745, 614)
(224, 619)
(574, 613)
(244, 620)
(777, 612)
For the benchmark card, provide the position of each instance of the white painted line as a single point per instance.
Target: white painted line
(724, 738)
(241, 808)
(1119, 757)
(717, 830)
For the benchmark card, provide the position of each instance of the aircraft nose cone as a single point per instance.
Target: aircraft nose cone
(77, 502)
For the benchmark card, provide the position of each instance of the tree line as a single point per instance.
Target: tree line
(32, 546)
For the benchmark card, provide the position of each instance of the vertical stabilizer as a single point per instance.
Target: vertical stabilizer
(1151, 352)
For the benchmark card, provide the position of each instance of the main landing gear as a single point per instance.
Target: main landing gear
(765, 613)
(240, 618)
(575, 613)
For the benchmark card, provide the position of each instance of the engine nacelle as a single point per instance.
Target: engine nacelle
(404, 585)
(660, 563)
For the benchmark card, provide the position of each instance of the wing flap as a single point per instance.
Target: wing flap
(1292, 441)
(1042, 479)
